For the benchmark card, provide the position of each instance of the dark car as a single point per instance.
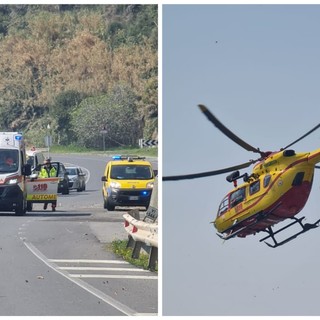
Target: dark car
(77, 178)
(63, 186)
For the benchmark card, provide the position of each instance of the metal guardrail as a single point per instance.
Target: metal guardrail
(144, 232)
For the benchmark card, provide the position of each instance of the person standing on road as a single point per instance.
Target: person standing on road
(47, 171)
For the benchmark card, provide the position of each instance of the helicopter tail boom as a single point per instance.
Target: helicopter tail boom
(314, 157)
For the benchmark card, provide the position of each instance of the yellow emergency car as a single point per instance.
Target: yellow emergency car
(127, 181)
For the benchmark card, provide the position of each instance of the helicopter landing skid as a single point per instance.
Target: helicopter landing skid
(305, 227)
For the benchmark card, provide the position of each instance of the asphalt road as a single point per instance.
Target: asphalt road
(59, 263)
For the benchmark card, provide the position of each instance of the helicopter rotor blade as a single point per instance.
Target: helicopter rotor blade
(208, 173)
(227, 132)
(302, 137)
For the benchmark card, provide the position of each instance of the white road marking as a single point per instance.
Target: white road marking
(112, 276)
(102, 269)
(87, 261)
(101, 295)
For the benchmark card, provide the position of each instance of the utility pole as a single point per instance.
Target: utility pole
(104, 132)
(48, 139)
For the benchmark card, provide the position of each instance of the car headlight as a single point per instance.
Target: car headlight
(115, 185)
(150, 185)
(12, 181)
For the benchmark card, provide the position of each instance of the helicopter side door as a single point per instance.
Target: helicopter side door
(232, 200)
(237, 197)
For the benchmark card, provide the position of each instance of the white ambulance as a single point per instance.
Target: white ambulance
(13, 172)
(34, 157)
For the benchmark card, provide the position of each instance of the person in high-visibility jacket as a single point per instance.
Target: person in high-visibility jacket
(47, 171)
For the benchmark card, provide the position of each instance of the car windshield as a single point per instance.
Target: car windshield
(9, 160)
(71, 171)
(131, 172)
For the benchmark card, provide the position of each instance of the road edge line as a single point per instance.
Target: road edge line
(109, 300)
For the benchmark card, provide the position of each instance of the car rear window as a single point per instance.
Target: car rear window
(72, 171)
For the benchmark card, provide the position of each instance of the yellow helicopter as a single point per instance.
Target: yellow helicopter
(277, 189)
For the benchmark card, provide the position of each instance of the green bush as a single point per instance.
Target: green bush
(119, 247)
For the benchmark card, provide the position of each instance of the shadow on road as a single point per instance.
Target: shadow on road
(76, 193)
(40, 213)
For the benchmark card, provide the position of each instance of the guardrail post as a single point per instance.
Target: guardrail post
(153, 258)
(136, 249)
(131, 242)
(135, 213)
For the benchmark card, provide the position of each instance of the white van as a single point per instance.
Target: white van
(34, 157)
(13, 173)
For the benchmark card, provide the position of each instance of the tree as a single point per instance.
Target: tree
(61, 111)
(116, 112)
(50, 52)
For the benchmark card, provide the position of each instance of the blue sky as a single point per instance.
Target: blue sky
(257, 68)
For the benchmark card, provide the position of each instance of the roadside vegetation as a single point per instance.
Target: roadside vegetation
(74, 71)
(146, 152)
(119, 247)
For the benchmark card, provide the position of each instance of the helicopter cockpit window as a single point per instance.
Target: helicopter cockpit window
(254, 187)
(266, 180)
(223, 206)
(237, 197)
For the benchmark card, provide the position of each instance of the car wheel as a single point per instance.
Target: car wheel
(29, 206)
(107, 205)
(65, 189)
(21, 208)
